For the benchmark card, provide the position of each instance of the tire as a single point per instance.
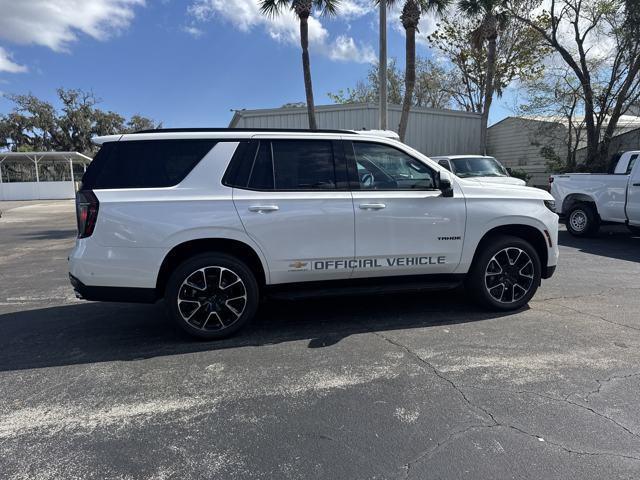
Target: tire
(206, 310)
(492, 268)
(582, 220)
(634, 230)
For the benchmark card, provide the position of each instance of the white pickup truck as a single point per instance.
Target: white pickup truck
(589, 199)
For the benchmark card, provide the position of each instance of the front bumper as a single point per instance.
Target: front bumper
(547, 272)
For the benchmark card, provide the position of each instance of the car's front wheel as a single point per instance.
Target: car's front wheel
(505, 274)
(212, 296)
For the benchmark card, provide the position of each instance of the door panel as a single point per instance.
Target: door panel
(302, 234)
(403, 225)
(414, 233)
(297, 208)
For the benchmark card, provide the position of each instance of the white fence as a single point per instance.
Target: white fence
(37, 190)
(40, 175)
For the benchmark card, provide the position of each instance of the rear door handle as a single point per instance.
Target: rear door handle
(264, 208)
(372, 206)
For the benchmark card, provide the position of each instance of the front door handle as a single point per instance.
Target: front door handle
(263, 208)
(372, 206)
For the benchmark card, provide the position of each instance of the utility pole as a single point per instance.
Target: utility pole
(382, 66)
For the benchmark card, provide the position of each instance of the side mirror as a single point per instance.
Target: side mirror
(444, 184)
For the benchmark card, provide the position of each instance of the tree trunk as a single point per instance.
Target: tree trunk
(409, 81)
(488, 92)
(306, 67)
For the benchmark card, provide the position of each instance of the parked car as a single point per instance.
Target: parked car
(212, 220)
(588, 199)
(478, 167)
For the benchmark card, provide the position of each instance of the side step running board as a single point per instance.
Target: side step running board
(358, 287)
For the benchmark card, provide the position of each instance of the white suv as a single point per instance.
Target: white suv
(212, 220)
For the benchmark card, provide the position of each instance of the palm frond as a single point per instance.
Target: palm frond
(471, 8)
(437, 6)
(273, 8)
(327, 7)
(390, 3)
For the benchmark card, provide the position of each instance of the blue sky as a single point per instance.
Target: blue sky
(185, 63)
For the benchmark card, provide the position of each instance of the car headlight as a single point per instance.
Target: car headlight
(551, 205)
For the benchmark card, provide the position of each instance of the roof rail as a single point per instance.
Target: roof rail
(292, 130)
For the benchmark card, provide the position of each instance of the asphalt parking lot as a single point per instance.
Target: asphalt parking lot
(402, 386)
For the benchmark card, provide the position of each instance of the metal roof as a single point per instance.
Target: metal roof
(257, 130)
(37, 156)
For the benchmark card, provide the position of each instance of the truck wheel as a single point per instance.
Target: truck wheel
(505, 274)
(212, 296)
(582, 220)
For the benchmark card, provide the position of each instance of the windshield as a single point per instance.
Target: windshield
(478, 167)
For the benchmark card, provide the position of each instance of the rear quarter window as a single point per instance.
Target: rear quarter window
(144, 163)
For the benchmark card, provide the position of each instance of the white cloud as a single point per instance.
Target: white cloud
(56, 23)
(345, 49)
(8, 65)
(245, 15)
(355, 8)
(193, 31)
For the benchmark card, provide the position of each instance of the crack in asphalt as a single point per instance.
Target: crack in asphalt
(573, 297)
(494, 422)
(560, 400)
(607, 380)
(599, 317)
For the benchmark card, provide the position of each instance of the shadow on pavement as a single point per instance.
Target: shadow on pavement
(101, 332)
(64, 234)
(613, 242)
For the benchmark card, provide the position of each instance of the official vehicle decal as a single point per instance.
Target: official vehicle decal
(449, 238)
(361, 263)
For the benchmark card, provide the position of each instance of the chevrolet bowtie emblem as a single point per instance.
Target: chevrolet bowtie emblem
(298, 264)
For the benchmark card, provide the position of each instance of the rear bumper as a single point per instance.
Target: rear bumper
(113, 294)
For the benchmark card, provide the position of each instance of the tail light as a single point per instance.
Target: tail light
(86, 212)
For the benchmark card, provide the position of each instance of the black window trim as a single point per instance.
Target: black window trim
(352, 167)
(339, 164)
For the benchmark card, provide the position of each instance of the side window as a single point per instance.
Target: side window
(632, 162)
(145, 163)
(293, 165)
(381, 167)
(261, 176)
(445, 164)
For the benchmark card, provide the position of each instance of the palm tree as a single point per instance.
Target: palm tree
(494, 19)
(410, 18)
(302, 9)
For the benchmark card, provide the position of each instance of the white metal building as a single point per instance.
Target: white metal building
(40, 175)
(431, 131)
(516, 142)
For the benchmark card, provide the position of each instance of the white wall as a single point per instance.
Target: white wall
(430, 131)
(516, 143)
(36, 191)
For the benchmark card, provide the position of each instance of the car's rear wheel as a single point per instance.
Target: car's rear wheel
(212, 296)
(582, 220)
(505, 274)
